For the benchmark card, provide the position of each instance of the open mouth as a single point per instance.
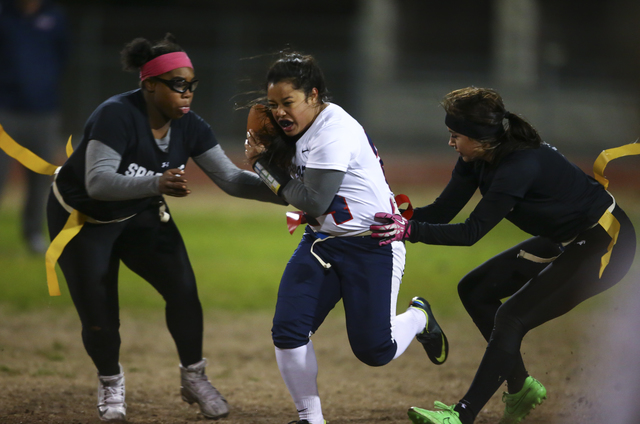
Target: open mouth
(185, 109)
(285, 124)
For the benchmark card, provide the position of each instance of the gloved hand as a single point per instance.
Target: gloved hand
(396, 228)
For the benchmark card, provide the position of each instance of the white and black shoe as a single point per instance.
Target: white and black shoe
(196, 388)
(111, 405)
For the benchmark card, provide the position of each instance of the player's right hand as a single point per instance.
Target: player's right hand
(252, 148)
(396, 228)
(173, 183)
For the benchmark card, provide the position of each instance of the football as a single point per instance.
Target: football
(261, 122)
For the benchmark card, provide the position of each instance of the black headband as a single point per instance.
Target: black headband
(471, 129)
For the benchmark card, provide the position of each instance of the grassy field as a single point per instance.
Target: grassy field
(239, 249)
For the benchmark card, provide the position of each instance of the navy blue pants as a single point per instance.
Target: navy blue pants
(152, 249)
(361, 274)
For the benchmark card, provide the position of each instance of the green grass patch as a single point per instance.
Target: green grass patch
(239, 248)
(8, 371)
(55, 353)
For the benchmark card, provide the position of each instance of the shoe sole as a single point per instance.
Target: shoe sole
(113, 420)
(537, 403)
(210, 417)
(417, 418)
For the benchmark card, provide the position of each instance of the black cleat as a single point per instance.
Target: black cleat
(432, 337)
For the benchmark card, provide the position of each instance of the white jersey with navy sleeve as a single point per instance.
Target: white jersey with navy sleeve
(336, 141)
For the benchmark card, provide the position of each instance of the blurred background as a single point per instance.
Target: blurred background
(572, 68)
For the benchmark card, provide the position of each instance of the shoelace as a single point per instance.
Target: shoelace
(444, 407)
(113, 394)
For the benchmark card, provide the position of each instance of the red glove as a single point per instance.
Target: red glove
(396, 228)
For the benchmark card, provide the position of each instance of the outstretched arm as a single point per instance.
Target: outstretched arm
(233, 180)
(487, 214)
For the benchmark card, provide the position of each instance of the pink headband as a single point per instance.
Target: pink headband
(164, 63)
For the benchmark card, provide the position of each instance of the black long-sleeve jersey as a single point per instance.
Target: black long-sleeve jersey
(538, 190)
(121, 123)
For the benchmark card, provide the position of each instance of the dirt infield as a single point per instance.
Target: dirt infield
(46, 377)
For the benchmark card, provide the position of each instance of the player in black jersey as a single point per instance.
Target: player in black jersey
(583, 243)
(133, 151)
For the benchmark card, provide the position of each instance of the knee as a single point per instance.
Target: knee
(285, 335)
(184, 301)
(376, 356)
(100, 330)
(372, 359)
(508, 331)
(99, 337)
(467, 290)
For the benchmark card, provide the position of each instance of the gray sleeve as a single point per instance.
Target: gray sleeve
(233, 180)
(104, 183)
(316, 193)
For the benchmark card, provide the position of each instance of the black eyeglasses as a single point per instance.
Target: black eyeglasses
(179, 84)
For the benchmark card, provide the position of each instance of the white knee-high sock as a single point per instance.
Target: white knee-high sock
(299, 370)
(405, 326)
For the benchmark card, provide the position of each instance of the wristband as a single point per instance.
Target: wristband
(275, 178)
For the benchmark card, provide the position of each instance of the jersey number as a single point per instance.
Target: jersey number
(338, 209)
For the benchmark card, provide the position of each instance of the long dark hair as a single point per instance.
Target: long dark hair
(140, 50)
(485, 107)
(304, 73)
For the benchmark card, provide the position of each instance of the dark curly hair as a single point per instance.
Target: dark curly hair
(140, 51)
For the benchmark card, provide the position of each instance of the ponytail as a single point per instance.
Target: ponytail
(479, 113)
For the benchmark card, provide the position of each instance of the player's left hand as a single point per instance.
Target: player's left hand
(173, 183)
(396, 228)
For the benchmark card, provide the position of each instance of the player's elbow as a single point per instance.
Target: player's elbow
(315, 210)
(95, 189)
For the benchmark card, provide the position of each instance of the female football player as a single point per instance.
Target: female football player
(134, 150)
(319, 159)
(583, 243)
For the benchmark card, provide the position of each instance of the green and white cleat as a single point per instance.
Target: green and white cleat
(432, 337)
(519, 405)
(445, 415)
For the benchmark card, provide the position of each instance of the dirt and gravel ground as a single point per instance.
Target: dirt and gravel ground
(46, 377)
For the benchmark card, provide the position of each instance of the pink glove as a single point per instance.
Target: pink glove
(397, 228)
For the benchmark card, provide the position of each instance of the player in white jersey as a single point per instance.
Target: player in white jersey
(320, 160)
(335, 141)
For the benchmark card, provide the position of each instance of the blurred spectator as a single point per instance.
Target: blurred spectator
(34, 47)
